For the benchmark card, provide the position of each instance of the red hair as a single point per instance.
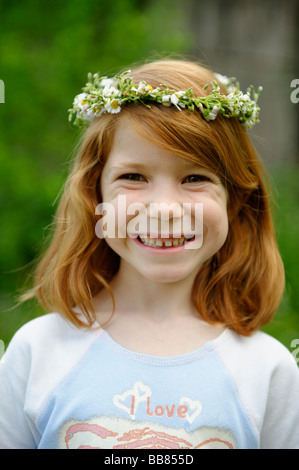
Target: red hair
(241, 286)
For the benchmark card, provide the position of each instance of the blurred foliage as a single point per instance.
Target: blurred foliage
(284, 179)
(46, 51)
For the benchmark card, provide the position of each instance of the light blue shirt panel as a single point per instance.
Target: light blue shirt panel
(191, 391)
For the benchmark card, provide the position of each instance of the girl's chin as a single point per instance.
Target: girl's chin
(158, 265)
(163, 275)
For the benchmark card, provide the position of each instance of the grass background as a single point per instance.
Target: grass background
(46, 51)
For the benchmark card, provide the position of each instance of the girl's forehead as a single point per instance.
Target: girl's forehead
(123, 164)
(130, 148)
(149, 158)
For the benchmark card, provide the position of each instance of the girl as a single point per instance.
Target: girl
(155, 341)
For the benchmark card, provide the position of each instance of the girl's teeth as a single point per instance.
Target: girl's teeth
(164, 242)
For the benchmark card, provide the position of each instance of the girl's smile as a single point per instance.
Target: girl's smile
(148, 174)
(163, 246)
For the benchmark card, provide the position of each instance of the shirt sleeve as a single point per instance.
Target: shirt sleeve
(280, 428)
(16, 429)
(267, 381)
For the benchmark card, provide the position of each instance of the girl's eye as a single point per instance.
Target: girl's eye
(197, 179)
(132, 177)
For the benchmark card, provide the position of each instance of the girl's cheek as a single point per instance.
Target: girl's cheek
(127, 218)
(112, 220)
(215, 217)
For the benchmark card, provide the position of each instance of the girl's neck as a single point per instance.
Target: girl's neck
(152, 317)
(155, 318)
(135, 294)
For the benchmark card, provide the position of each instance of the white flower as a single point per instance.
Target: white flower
(213, 114)
(110, 90)
(223, 79)
(87, 114)
(245, 97)
(175, 99)
(106, 82)
(166, 100)
(226, 81)
(80, 101)
(248, 124)
(112, 106)
(143, 88)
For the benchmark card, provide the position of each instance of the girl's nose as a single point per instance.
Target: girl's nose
(166, 196)
(165, 189)
(165, 210)
(165, 207)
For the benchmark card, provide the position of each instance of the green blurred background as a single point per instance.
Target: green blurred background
(46, 51)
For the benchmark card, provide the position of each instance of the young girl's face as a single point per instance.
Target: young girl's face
(139, 176)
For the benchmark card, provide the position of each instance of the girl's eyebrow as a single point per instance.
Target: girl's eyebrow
(127, 166)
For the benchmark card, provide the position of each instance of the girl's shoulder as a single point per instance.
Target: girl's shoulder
(258, 346)
(47, 327)
(52, 322)
(41, 326)
(266, 380)
(257, 358)
(46, 337)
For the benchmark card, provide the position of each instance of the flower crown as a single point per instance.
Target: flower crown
(107, 95)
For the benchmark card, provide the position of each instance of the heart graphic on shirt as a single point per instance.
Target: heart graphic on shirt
(137, 394)
(192, 405)
(141, 391)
